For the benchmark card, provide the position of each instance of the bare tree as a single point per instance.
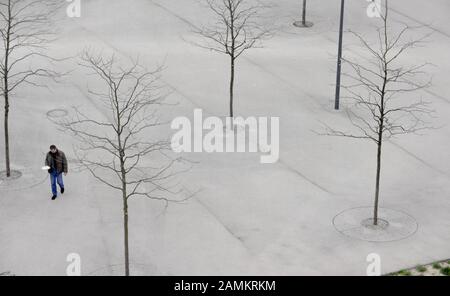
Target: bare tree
(303, 23)
(238, 27)
(118, 152)
(26, 30)
(381, 89)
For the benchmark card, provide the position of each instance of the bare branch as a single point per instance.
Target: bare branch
(115, 150)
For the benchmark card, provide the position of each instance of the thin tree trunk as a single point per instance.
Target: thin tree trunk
(125, 217)
(124, 189)
(377, 184)
(381, 122)
(232, 61)
(6, 92)
(125, 200)
(232, 87)
(125, 232)
(304, 13)
(6, 126)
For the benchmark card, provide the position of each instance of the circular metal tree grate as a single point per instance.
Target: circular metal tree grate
(29, 178)
(14, 175)
(57, 113)
(358, 223)
(301, 24)
(317, 25)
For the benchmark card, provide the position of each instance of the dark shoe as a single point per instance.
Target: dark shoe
(62, 190)
(53, 197)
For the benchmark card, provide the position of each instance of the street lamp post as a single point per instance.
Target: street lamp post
(339, 61)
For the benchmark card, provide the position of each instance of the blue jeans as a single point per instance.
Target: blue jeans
(56, 178)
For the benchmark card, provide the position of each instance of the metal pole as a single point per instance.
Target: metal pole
(304, 13)
(339, 62)
(303, 23)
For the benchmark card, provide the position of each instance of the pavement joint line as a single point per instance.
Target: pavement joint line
(268, 72)
(446, 100)
(297, 172)
(244, 57)
(92, 102)
(437, 96)
(420, 159)
(430, 166)
(207, 208)
(420, 22)
(176, 90)
(102, 222)
(263, 258)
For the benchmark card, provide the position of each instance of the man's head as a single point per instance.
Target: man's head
(53, 149)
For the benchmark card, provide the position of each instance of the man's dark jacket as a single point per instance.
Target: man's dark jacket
(57, 161)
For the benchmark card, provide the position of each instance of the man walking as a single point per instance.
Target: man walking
(57, 162)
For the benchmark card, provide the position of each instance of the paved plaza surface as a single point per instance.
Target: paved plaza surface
(246, 218)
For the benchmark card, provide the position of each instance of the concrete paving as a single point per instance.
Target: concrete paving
(248, 218)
